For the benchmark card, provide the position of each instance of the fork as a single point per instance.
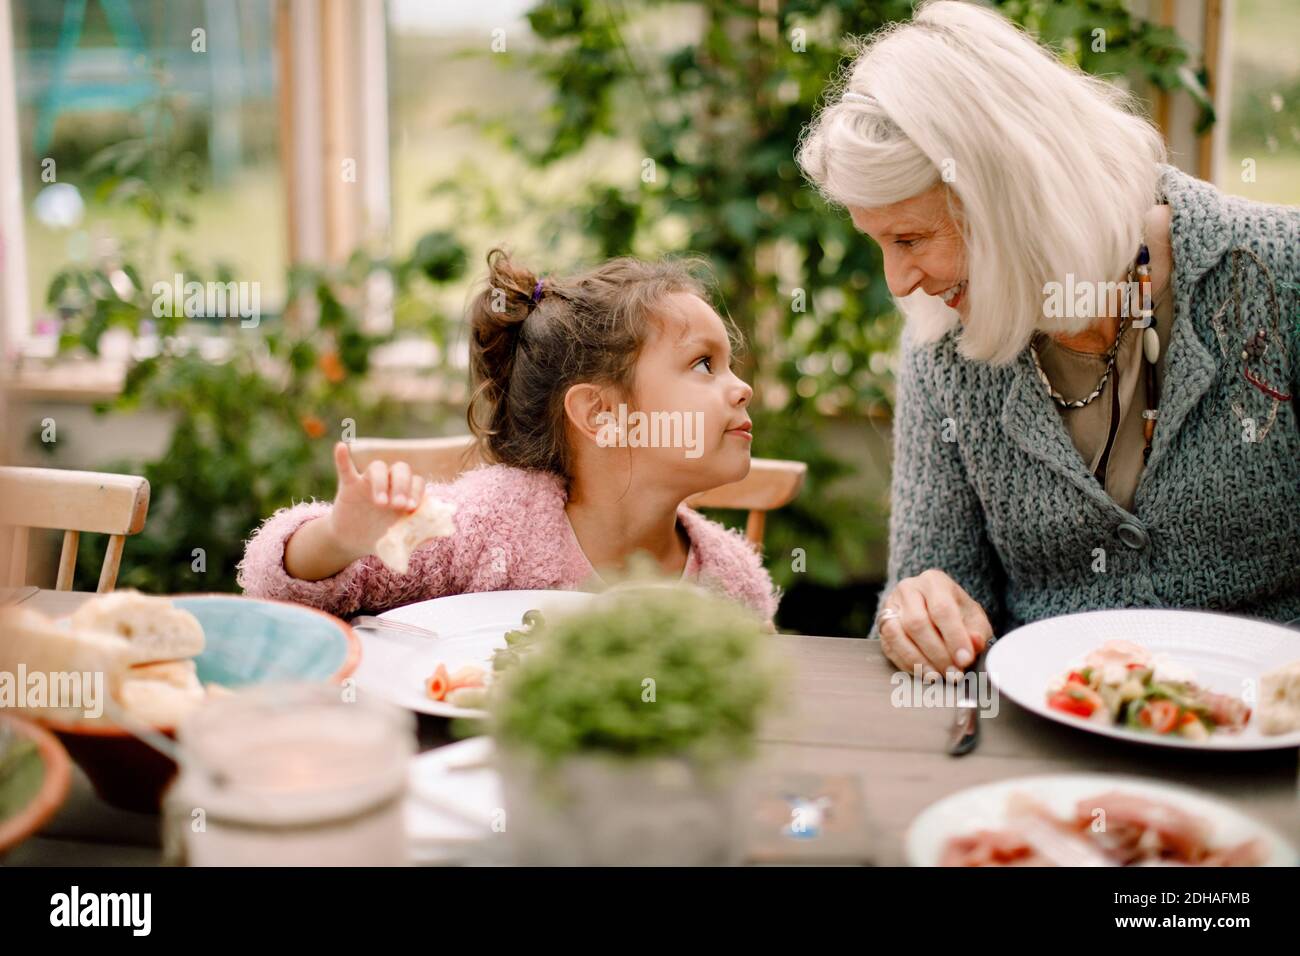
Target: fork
(382, 623)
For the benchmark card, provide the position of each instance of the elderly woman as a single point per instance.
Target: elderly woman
(1094, 394)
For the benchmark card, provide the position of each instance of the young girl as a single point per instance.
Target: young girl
(564, 372)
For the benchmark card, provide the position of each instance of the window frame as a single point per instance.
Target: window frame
(332, 89)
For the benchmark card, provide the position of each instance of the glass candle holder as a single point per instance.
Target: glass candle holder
(291, 775)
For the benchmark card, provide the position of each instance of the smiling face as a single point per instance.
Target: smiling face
(685, 368)
(921, 244)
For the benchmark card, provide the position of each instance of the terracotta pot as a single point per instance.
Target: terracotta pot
(54, 784)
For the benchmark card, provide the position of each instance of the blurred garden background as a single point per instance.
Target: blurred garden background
(353, 161)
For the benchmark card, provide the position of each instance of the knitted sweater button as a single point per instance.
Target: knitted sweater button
(1133, 535)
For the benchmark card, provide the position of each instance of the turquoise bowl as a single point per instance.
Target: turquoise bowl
(247, 641)
(250, 641)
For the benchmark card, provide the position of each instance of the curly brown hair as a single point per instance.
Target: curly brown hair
(525, 355)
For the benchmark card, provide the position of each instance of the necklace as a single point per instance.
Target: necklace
(1141, 268)
(1105, 375)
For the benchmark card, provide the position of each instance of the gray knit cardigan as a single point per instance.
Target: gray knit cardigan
(988, 487)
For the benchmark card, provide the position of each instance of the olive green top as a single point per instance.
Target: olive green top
(1075, 374)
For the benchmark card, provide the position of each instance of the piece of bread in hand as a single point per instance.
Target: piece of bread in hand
(154, 628)
(433, 519)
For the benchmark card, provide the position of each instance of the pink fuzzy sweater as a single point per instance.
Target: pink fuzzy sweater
(512, 533)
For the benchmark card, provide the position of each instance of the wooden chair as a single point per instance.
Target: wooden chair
(438, 459)
(72, 502)
(771, 483)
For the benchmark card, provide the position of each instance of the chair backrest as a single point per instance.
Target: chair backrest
(72, 502)
(438, 459)
(771, 483)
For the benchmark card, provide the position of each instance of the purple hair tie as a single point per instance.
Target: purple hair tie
(537, 291)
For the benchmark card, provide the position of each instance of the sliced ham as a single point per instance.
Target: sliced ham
(990, 848)
(1133, 831)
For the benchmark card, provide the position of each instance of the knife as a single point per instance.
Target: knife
(964, 734)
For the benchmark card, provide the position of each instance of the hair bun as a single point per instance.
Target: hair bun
(591, 329)
(496, 318)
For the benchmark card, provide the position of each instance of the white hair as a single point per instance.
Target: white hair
(1053, 169)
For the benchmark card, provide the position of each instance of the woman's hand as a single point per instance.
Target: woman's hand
(938, 626)
(366, 505)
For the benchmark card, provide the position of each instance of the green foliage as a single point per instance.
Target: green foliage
(1128, 48)
(658, 670)
(253, 432)
(1266, 110)
(717, 121)
(256, 409)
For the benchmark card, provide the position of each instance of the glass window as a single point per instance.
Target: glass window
(127, 105)
(460, 85)
(1262, 159)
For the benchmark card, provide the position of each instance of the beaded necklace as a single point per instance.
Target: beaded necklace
(1139, 271)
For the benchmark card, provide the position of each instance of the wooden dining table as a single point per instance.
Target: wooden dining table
(839, 719)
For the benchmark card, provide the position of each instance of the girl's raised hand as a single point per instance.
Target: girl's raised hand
(367, 503)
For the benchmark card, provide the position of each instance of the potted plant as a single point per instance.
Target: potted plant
(623, 735)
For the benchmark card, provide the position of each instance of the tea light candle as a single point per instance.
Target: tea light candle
(292, 775)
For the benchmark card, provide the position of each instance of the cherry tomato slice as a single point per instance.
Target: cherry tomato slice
(1068, 704)
(1160, 715)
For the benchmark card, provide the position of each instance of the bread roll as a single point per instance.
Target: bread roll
(183, 675)
(160, 693)
(36, 642)
(1279, 700)
(154, 628)
(160, 703)
(431, 520)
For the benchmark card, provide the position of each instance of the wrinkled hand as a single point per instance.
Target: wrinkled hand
(939, 627)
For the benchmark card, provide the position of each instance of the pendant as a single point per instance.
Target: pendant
(1151, 344)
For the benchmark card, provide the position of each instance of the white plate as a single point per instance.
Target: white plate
(454, 802)
(984, 807)
(1228, 654)
(395, 666)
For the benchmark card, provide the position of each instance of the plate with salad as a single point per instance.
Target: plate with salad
(1169, 678)
(477, 635)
